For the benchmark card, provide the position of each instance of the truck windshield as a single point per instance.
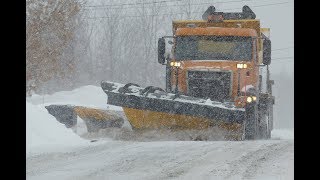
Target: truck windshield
(213, 48)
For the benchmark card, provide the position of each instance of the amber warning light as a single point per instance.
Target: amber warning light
(212, 15)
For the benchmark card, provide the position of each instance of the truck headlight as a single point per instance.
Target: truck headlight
(242, 66)
(254, 98)
(175, 64)
(251, 98)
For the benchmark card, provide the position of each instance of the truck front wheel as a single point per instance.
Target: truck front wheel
(250, 123)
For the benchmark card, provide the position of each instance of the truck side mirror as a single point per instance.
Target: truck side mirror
(266, 52)
(161, 50)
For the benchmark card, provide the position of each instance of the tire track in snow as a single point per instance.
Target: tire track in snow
(162, 160)
(49, 162)
(248, 164)
(144, 158)
(122, 163)
(273, 154)
(180, 166)
(195, 157)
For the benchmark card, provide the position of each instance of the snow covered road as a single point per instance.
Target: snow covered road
(55, 152)
(272, 159)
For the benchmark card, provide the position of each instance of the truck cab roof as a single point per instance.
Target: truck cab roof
(240, 25)
(216, 31)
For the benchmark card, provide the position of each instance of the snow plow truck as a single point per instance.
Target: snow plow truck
(217, 76)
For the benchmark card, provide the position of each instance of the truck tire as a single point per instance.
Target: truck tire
(250, 123)
(270, 119)
(266, 120)
(264, 127)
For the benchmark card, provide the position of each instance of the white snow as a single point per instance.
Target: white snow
(169, 160)
(45, 134)
(89, 96)
(182, 98)
(283, 134)
(55, 152)
(80, 128)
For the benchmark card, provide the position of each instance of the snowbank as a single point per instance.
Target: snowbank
(44, 133)
(90, 96)
(282, 134)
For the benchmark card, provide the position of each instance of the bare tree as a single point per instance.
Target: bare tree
(111, 40)
(49, 30)
(149, 18)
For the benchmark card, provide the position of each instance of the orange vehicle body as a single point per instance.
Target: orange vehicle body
(242, 28)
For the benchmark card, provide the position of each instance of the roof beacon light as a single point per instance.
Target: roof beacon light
(212, 16)
(215, 18)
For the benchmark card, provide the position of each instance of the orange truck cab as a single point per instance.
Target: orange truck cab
(218, 57)
(217, 76)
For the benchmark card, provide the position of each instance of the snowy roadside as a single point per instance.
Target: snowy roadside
(272, 159)
(89, 96)
(282, 134)
(55, 152)
(45, 134)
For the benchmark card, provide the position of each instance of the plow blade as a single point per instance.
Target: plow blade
(95, 119)
(152, 108)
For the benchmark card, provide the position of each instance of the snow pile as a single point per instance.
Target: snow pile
(282, 134)
(44, 133)
(89, 96)
(80, 128)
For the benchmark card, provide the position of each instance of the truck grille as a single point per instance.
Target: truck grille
(215, 85)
